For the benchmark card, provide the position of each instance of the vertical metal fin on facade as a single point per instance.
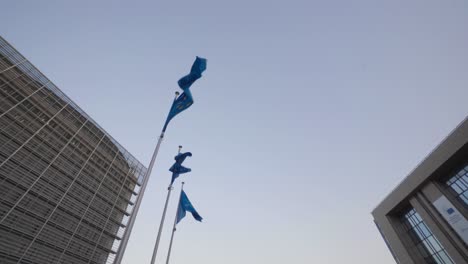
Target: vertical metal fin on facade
(67, 188)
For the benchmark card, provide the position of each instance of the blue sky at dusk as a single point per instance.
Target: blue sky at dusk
(309, 113)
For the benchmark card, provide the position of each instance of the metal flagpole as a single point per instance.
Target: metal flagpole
(174, 228)
(156, 246)
(131, 221)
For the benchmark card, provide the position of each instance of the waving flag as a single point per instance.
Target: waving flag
(185, 100)
(198, 67)
(177, 168)
(186, 206)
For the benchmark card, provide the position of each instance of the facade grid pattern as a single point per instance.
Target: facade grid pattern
(459, 184)
(424, 240)
(67, 188)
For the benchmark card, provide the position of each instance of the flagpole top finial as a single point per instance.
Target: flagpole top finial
(180, 148)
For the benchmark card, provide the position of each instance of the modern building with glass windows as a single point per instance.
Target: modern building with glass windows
(424, 219)
(67, 188)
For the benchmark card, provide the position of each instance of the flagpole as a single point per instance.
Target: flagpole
(174, 228)
(131, 221)
(156, 246)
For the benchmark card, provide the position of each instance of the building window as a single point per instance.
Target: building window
(459, 184)
(424, 240)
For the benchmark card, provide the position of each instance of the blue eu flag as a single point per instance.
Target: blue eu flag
(177, 168)
(185, 100)
(198, 67)
(186, 206)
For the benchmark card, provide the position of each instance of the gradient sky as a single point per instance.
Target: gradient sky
(309, 113)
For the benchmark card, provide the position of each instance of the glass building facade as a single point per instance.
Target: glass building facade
(424, 219)
(424, 240)
(459, 184)
(67, 188)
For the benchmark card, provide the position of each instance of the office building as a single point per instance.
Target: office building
(424, 219)
(67, 188)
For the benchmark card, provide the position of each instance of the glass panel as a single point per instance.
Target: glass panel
(425, 230)
(459, 184)
(444, 257)
(423, 239)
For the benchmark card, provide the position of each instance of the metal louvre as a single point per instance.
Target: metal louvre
(67, 187)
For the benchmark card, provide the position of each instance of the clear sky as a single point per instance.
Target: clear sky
(309, 113)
